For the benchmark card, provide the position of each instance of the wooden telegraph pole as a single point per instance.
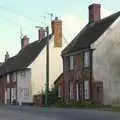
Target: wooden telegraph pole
(47, 63)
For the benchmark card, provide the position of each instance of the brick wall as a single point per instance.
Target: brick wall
(98, 92)
(77, 76)
(4, 85)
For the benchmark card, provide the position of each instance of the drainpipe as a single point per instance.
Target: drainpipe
(47, 68)
(91, 73)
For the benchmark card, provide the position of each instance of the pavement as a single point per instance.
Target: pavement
(34, 113)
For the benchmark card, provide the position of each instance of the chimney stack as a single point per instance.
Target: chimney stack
(41, 33)
(24, 41)
(57, 32)
(94, 12)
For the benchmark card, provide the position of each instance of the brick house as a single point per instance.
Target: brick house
(82, 80)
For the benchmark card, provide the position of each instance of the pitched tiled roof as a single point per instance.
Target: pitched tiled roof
(90, 33)
(25, 57)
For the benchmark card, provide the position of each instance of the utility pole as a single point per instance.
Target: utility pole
(47, 67)
(47, 63)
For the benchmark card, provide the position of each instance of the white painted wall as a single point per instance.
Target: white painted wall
(38, 68)
(24, 86)
(106, 63)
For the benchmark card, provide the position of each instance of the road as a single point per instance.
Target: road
(32, 113)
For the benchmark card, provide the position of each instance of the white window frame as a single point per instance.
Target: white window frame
(23, 74)
(86, 59)
(8, 78)
(77, 92)
(86, 90)
(8, 93)
(71, 62)
(13, 94)
(26, 92)
(13, 77)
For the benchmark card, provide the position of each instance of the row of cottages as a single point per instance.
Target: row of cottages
(91, 62)
(24, 74)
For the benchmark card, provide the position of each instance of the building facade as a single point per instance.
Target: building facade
(16, 87)
(77, 76)
(24, 75)
(106, 63)
(56, 45)
(88, 60)
(16, 75)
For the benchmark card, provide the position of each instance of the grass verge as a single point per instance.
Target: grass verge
(87, 105)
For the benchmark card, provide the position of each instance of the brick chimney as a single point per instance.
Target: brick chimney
(24, 41)
(57, 32)
(41, 33)
(94, 12)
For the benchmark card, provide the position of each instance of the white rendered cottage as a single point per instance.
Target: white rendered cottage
(24, 75)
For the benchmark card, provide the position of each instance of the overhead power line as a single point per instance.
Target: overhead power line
(19, 14)
(9, 20)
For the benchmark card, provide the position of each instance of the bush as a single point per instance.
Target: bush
(53, 96)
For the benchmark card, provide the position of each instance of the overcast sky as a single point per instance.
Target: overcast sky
(26, 14)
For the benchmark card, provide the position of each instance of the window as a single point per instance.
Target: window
(8, 78)
(8, 94)
(22, 74)
(86, 90)
(13, 93)
(13, 77)
(77, 92)
(86, 59)
(26, 92)
(71, 62)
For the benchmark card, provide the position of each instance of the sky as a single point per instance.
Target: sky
(24, 15)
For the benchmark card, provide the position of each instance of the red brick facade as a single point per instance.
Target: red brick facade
(4, 85)
(2, 90)
(77, 76)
